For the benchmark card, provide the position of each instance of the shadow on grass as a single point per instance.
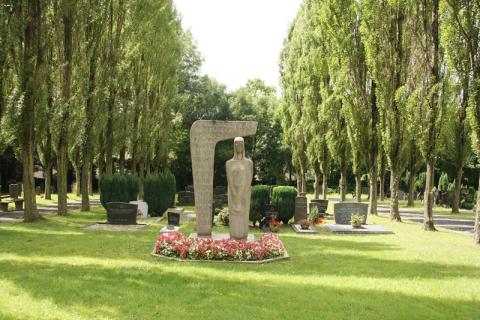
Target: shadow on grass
(169, 290)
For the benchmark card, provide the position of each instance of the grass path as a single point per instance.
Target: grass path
(56, 270)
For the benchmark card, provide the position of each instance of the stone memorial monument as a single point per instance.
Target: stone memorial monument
(239, 177)
(204, 135)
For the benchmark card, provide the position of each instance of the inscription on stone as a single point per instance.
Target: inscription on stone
(204, 135)
(343, 211)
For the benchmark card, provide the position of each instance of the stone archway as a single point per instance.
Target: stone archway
(204, 135)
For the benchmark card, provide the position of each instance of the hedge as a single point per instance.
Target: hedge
(283, 198)
(159, 191)
(259, 199)
(118, 188)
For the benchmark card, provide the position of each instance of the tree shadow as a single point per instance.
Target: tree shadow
(171, 290)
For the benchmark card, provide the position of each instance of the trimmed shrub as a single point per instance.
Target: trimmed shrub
(118, 188)
(283, 198)
(159, 191)
(443, 182)
(259, 199)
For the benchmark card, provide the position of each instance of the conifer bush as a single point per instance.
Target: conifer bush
(159, 191)
(283, 198)
(118, 188)
(259, 200)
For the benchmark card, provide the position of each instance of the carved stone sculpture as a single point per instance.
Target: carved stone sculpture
(239, 177)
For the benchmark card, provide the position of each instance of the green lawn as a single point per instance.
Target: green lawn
(72, 198)
(54, 269)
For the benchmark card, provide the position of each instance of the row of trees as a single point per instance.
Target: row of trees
(84, 82)
(382, 85)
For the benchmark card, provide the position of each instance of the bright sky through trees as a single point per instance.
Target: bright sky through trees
(239, 39)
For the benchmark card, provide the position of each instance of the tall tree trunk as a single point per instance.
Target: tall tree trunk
(373, 153)
(460, 141)
(317, 184)
(394, 184)
(48, 181)
(476, 235)
(428, 197)
(30, 86)
(62, 161)
(90, 182)
(343, 180)
(325, 185)
(411, 188)
(141, 180)
(382, 177)
(358, 187)
(121, 162)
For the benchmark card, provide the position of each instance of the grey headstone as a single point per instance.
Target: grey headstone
(14, 191)
(300, 208)
(343, 211)
(320, 204)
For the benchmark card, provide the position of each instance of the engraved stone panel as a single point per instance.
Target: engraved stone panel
(204, 135)
(343, 211)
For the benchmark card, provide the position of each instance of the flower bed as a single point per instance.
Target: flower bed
(176, 245)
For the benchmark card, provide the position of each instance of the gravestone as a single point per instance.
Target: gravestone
(14, 191)
(401, 195)
(366, 190)
(300, 208)
(38, 190)
(343, 211)
(142, 208)
(186, 198)
(121, 213)
(220, 190)
(320, 204)
(173, 218)
(189, 188)
(204, 135)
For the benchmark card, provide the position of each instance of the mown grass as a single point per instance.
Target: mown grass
(54, 269)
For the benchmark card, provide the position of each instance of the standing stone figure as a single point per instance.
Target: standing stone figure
(239, 176)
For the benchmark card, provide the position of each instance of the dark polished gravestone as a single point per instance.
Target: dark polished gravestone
(186, 198)
(343, 211)
(173, 218)
(121, 213)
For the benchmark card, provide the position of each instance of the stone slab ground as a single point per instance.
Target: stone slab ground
(116, 227)
(298, 229)
(365, 229)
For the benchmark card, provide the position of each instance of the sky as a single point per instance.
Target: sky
(239, 39)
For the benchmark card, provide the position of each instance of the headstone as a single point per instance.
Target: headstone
(14, 191)
(204, 135)
(401, 195)
(343, 211)
(121, 213)
(189, 188)
(365, 190)
(300, 208)
(186, 198)
(38, 190)
(239, 176)
(320, 204)
(173, 218)
(142, 208)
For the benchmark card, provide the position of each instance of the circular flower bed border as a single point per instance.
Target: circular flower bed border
(175, 246)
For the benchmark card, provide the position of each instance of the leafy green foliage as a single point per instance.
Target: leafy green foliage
(224, 217)
(118, 188)
(443, 182)
(260, 198)
(159, 192)
(283, 198)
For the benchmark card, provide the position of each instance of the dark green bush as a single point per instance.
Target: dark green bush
(283, 198)
(259, 199)
(159, 192)
(118, 188)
